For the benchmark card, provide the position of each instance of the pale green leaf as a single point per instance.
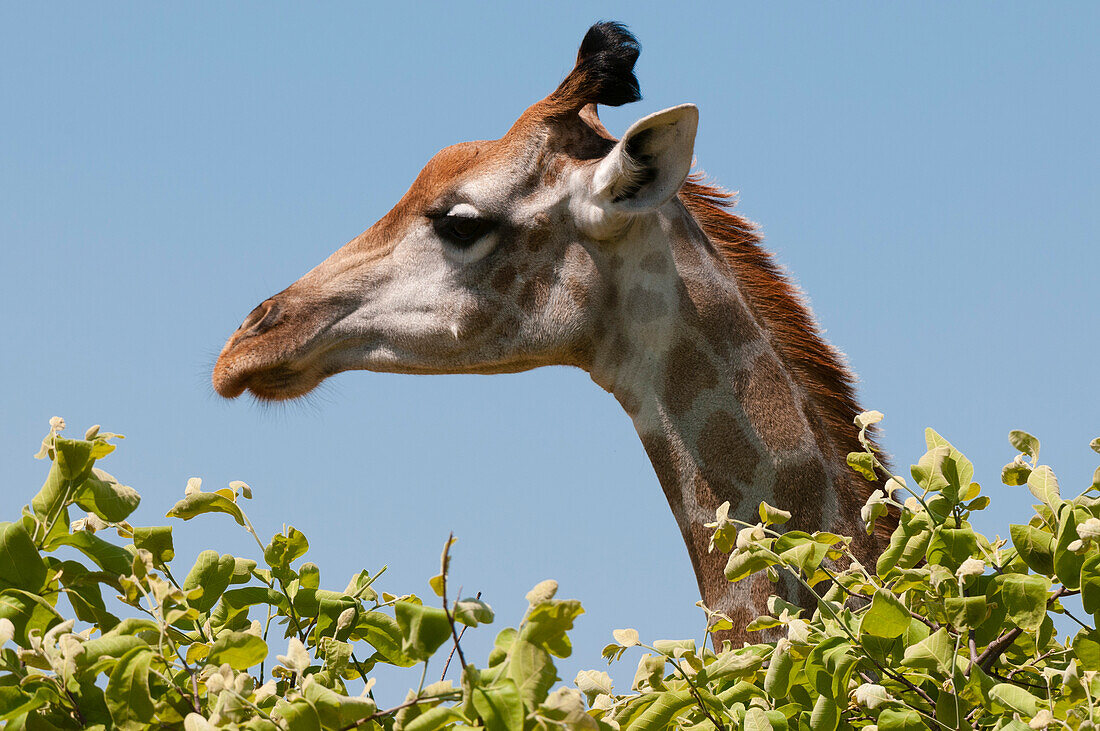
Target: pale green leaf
(933, 652)
(499, 706)
(212, 573)
(1014, 698)
(1024, 443)
(198, 503)
(1025, 599)
(770, 515)
(423, 629)
(156, 540)
(21, 566)
(1044, 485)
(886, 617)
(472, 612)
(1035, 546)
(100, 493)
(240, 649)
(128, 696)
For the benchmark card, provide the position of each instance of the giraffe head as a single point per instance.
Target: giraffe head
(497, 259)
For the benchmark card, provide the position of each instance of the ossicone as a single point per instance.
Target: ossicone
(604, 72)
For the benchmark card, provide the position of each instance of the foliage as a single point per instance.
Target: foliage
(949, 630)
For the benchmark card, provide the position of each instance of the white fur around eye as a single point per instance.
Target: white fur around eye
(464, 210)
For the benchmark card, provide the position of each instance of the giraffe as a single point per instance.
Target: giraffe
(559, 245)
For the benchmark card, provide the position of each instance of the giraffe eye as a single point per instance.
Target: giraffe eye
(461, 231)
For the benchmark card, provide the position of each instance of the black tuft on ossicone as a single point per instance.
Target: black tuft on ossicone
(604, 73)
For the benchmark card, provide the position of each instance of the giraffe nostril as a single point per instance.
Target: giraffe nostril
(261, 319)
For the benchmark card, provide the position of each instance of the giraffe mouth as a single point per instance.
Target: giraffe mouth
(273, 366)
(279, 381)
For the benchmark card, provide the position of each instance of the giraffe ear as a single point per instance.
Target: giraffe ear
(649, 164)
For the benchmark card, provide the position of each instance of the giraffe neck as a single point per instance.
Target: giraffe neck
(717, 410)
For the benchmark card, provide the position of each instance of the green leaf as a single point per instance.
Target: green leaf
(951, 546)
(101, 494)
(806, 557)
(864, 464)
(886, 617)
(1014, 698)
(957, 469)
(242, 570)
(74, 457)
(675, 648)
(47, 503)
(825, 715)
(240, 649)
(1044, 485)
(1014, 474)
(198, 503)
(1086, 646)
(335, 710)
(1035, 546)
(773, 516)
(1025, 599)
(548, 622)
(434, 719)
(1095, 445)
(26, 612)
(933, 652)
(128, 697)
(299, 715)
(966, 612)
(908, 543)
(109, 557)
(211, 572)
(423, 629)
(532, 670)
(384, 634)
(928, 472)
(285, 549)
(499, 706)
(336, 654)
(777, 680)
(756, 720)
(900, 719)
(237, 599)
(309, 575)
(1067, 564)
(544, 633)
(21, 566)
(743, 563)
(1090, 584)
(109, 646)
(15, 702)
(658, 716)
(83, 592)
(1024, 442)
(157, 541)
(472, 612)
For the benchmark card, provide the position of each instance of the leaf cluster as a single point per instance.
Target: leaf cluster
(949, 630)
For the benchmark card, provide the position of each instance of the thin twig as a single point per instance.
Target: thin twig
(390, 711)
(443, 591)
(452, 654)
(998, 646)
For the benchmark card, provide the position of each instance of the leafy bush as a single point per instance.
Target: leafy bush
(949, 630)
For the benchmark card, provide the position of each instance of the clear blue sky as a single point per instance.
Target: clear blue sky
(930, 174)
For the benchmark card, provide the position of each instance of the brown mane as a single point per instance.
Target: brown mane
(818, 366)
